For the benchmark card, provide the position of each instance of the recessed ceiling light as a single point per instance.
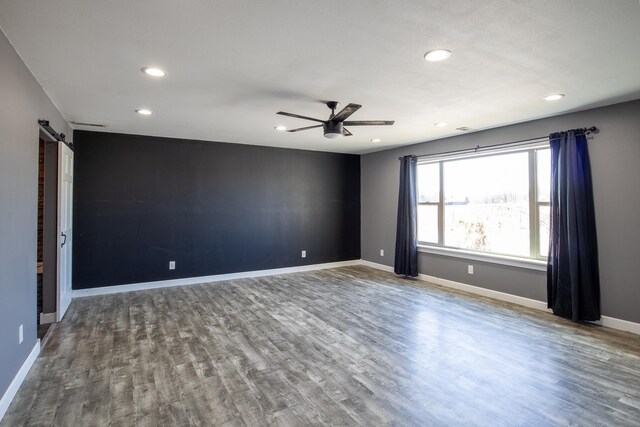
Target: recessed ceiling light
(376, 140)
(155, 72)
(437, 55)
(144, 112)
(554, 97)
(440, 124)
(280, 128)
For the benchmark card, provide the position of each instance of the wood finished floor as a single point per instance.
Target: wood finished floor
(348, 346)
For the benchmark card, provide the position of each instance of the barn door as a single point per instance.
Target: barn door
(65, 231)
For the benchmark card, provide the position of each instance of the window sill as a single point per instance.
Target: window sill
(530, 264)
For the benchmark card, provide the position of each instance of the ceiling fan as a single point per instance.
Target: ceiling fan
(335, 126)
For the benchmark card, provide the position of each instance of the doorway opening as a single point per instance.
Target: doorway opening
(42, 328)
(47, 220)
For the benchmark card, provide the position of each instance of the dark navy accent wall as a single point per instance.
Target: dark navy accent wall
(211, 207)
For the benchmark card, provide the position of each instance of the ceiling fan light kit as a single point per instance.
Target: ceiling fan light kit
(334, 127)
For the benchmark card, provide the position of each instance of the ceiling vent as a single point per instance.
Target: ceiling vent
(94, 125)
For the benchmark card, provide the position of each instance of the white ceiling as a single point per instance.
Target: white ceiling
(233, 64)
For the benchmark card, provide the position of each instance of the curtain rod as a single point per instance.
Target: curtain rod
(586, 131)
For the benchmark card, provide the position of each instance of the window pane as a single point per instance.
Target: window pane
(543, 161)
(487, 204)
(544, 218)
(429, 182)
(428, 223)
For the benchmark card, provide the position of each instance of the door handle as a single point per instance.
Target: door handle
(65, 239)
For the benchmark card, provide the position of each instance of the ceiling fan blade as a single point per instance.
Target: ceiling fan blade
(370, 123)
(346, 112)
(297, 116)
(346, 132)
(308, 127)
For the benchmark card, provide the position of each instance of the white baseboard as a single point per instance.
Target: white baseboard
(610, 322)
(468, 288)
(8, 396)
(79, 293)
(622, 325)
(47, 318)
(377, 266)
(502, 296)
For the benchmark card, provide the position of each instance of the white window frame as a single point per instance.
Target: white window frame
(534, 260)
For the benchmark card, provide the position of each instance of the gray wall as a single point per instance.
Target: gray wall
(22, 102)
(615, 161)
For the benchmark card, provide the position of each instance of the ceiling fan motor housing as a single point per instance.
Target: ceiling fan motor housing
(332, 129)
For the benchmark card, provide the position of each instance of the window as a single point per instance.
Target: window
(495, 203)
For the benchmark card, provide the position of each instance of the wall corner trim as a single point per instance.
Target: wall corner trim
(610, 322)
(106, 290)
(13, 388)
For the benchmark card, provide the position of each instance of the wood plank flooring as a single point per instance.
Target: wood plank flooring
(348, 346)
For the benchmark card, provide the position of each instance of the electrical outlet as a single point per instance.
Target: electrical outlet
(470, 269)
(172, 265)
(381, 252)
(304, 254)
(20, 334)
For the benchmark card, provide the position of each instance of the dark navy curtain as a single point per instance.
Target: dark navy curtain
(573, 284)
(406, 260)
